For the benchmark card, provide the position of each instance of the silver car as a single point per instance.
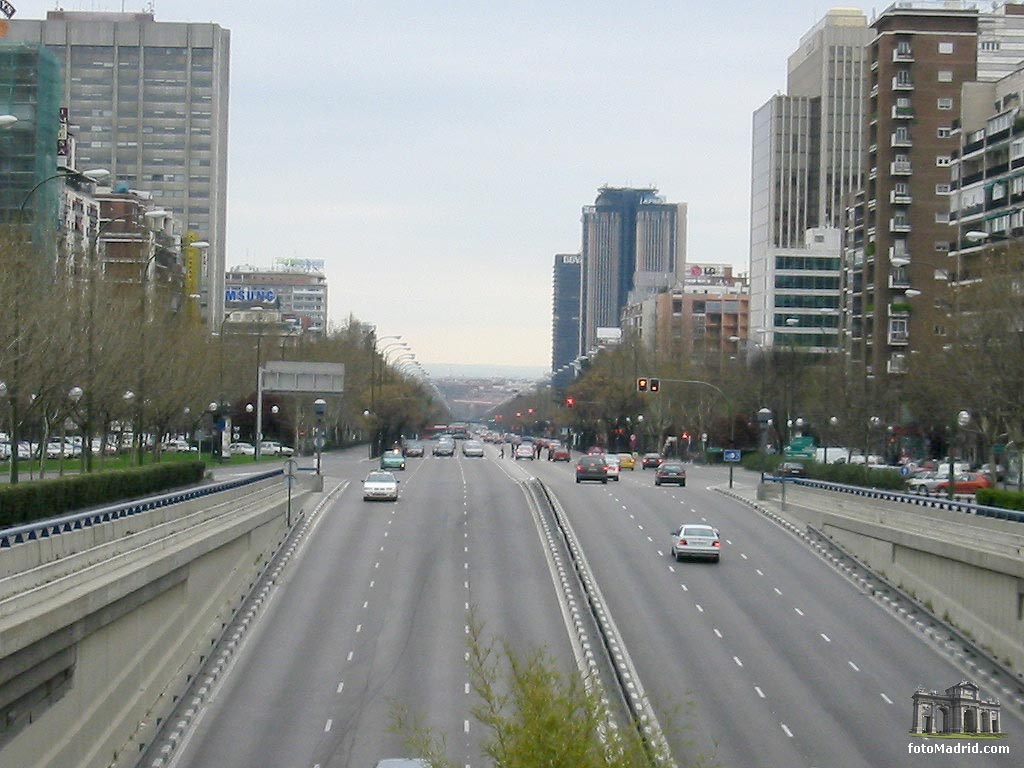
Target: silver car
(696, 540)
(382, 486)
(926, 482)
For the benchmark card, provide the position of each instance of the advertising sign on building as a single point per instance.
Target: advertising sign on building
(243, 295)
(62, 137)
(298, 265)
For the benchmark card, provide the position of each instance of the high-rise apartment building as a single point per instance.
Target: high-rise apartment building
(633, 244)
(565, 317)
(148, 101)
(295, 288)
(806, 161)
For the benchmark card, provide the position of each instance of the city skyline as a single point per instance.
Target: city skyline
(413, 146)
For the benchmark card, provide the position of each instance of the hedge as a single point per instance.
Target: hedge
(998, 497)
(847, 474)
(27, 502)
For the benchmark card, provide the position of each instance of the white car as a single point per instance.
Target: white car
(380, 486)
(274, 448)
(926, 482)
(472, 448)
(611, 467)
(696, 540)
(242, 449)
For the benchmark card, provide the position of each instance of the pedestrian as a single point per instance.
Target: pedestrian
(502, 452)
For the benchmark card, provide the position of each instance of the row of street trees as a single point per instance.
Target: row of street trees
(79, 350)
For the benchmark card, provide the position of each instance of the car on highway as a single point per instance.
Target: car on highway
(791, 469)
(627, 461)
(274, 448)
(392, 460)
(413, 450)
(670, 472)
(591, 467)
(611, 466)
(443, 448)
(523, 451)
(559, 453)
(596, 450)
(242, 449)
(380, 486)
(925, 483)
(650, 460)
(473, 448)
(966, 482)
(696, 540)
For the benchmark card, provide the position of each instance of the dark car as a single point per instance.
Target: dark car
(792, 469)
(650, 461)
(591, 468)
(670, 472)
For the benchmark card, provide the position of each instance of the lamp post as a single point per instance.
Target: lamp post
(764, 420)
(963, 418)
(74, 395)
(319, 410)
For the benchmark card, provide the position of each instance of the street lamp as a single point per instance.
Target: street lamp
(963, 418)
(6, 121)
(319, 410)
(764, 420)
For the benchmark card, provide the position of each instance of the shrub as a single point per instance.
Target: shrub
(26, 502)
(998, 497)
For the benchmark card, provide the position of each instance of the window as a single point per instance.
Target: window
(990, 45)
(946, 47)
(942, 246)
(942, 160)
(944, 132)
(942, 189)
(945, 76)
(942, 217)
(945, 104)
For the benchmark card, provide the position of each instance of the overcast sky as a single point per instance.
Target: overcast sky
(437, 154)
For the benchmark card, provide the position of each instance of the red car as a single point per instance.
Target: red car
(559, 453)
(967, 482)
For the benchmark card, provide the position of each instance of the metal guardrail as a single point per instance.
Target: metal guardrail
(933, 502)
(55, 526)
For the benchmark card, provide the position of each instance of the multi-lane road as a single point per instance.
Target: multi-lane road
(769, 658)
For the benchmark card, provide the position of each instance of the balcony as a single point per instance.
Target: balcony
(900, 168)
(899, 280)
(899, 225)
(896, 140)
(902, 85)
(900, 253)
(900, 198)
(904, 55)
(872, 149)
(896, 364)
(902, 113)
(898, 309)
(874, 91)
(873, 173)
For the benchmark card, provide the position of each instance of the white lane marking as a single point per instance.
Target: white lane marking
(737, 660)
(672, 569)
(826, 638)
(650, 539)
(381, 548)
(703, 519)
(366, 604)
(467, 606)
(798, 611)
(660, 553)
(371, 585)
(853, 666)
(786, 730)
(743, 556)
(885, 698)
(341, 687)
(632, 517)
(699, 607)
(727, 541)
(350, 654)
(684, 588)
(465, 566)
(718, 634)
(359, 628)
(465, 549)
(465, 584)
(467, 687)
(376, 565)
(465, 726)
(640, 527)
(759, 572)
(385, 536)
(327, 726)
(759, 692)
(777, 590)
(624, 506)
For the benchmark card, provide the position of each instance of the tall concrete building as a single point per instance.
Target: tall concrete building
(148, 101)
(565, 317)
(633, 244)
(806, 160)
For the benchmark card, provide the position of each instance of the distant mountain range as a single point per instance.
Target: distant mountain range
(464, 371)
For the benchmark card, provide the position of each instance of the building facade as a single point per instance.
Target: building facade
(294, 288)
(633, 244)
(806, 161)
(148, 101)
(565, 317)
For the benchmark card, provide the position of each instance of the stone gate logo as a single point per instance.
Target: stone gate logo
(960, 712)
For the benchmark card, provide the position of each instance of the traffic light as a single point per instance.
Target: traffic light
(570, 402)
(655, 385)
(641, 385)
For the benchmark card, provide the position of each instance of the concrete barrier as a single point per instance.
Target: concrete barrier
(101, 635)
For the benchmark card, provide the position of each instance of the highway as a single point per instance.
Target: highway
(769, 658)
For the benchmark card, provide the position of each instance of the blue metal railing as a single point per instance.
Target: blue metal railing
(933, 502)
(55, 526)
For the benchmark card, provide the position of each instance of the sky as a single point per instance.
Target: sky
(437, 155)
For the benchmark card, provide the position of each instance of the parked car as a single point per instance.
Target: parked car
(650, 460)
(392, 460)
(967, 482)
(382, 486)
(242, 449)
(627, 461)
(925, 483)
(274, 448)
(591, 467)
(670, 472)
(179, 445)
(696, 540)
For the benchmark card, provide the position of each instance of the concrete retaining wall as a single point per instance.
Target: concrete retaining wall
(968, 569)
(95, 658)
